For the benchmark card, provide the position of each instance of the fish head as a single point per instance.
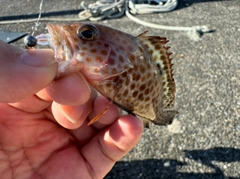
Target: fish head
(99, 51)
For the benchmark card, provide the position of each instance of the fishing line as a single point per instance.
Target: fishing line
(34, 28)
(30, 41)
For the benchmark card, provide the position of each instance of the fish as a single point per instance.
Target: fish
(133, 72)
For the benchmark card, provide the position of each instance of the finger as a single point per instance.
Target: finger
(72, 117)
(68, 116)
(111, 145)
(70, 90)
(26, 104)
(24, 72)
(86, 132)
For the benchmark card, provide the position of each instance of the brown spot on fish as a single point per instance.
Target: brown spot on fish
(143, 78)
(151, 51)
(146, 92)
(135, 93)
(142, 87)
(125, 92)
(82, 54)
(99, 59)
(132, 86)
(84, 48)
(88, 59)
(157, 47)
(106, 45)
(126, 67)
(147, 46)
(140, 49)
(140, 97)
(113, 53)
(164, 89)
(103, 52)
(136, 77)
(93, 50)
(108, 85)
(147, 98)
(127, 82)
(111, 61)
(163, 57)
(114, 71)
(124, 41)
(148, 75)
(121, 59)
(142, 69)
(124, 75)
(135, 67)
(132, 58)
(75, 39)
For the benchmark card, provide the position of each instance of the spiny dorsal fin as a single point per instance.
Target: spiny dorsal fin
(156, 46)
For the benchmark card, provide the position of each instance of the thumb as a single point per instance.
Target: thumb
(24, 72)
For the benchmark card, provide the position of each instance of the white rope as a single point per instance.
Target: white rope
(194, 32)
(160, 6)
(109, 9)
(115, 8)
(102, 10)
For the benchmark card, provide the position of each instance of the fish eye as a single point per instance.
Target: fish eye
(88, 32)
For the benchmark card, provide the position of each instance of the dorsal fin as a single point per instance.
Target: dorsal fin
(156, 46)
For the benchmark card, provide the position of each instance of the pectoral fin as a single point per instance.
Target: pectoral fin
(118, 87)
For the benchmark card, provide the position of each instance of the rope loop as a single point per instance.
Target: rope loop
(110, 9)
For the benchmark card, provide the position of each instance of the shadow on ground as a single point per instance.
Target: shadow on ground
(169, 168)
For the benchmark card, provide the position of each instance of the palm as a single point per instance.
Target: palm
(34, 146)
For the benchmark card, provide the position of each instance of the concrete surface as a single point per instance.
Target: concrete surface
(207, 75)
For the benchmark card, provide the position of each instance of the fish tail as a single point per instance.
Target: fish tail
(166, 118)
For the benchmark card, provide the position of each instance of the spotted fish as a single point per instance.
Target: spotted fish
(133, 72)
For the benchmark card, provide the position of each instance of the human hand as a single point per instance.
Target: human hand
(43, 123)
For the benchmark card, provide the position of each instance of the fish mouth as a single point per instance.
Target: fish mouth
(58, 41)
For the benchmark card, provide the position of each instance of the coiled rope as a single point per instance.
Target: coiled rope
(109, 9)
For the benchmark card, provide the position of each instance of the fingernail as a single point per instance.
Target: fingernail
(65, 114)
(38, 58)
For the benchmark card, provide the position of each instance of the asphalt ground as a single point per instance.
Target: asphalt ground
(206, 144)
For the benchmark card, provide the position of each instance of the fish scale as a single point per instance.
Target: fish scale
(133, 72)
